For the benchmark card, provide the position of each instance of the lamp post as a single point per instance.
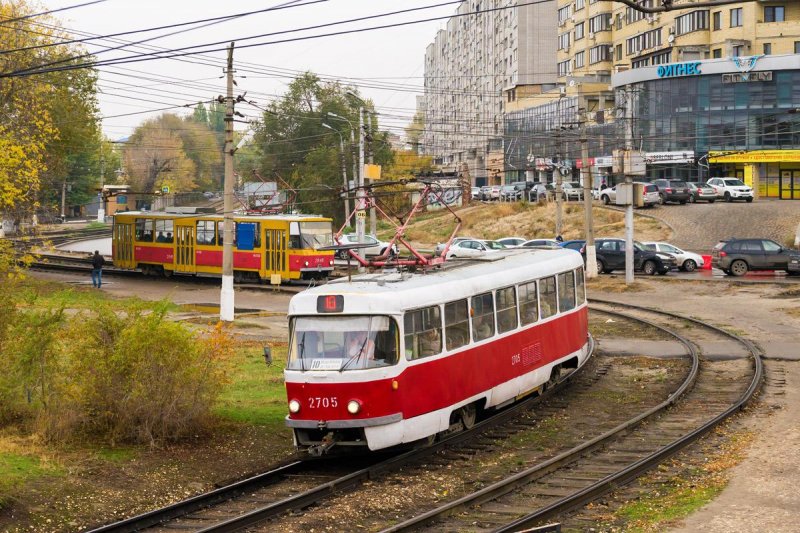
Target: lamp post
(344, 168)
(352, 147)
(362, 122)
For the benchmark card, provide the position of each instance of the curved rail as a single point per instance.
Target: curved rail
(507, 485)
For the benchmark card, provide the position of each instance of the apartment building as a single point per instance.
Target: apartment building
(488, 46)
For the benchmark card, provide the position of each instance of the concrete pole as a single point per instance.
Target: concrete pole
(360, 196)
(226, 297)
(586, 177)
(64, 200)
(629, 183)
(373, 222)
(344, 177)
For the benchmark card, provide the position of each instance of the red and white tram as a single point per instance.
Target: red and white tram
(392, 358)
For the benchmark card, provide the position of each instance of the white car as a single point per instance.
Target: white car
(534, 243)
(374, 246)
(440, 247)
(730, 189)
(473, 248)
(650, 194)
(686, 261)
(512, 241)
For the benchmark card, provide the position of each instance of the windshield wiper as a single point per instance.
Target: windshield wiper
(302, 346)
(356, 356)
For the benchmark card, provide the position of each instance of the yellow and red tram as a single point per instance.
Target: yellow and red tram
(189, 242)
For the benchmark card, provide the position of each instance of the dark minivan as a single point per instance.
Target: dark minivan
(736, 257)
(672, 191)
(611, 256)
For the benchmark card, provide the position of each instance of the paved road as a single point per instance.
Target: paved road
(698, 227)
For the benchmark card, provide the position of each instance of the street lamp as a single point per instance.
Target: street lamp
(344, 168)
(352, 146)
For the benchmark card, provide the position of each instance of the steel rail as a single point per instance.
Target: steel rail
(528, 475)
(329, 488)
(640, 467)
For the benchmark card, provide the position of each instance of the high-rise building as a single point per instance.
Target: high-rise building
(487, 47)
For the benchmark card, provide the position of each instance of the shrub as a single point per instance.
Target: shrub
(137, 377)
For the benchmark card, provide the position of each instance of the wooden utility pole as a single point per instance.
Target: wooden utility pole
(226, 297)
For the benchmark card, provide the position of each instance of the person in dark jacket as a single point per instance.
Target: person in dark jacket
(97, 269)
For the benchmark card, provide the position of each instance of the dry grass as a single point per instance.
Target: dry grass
(497, 220)
(615, 284)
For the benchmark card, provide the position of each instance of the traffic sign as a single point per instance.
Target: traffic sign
(165, 189)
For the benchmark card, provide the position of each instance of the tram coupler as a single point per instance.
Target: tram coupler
(328, 442)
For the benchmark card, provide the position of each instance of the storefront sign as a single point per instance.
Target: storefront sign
(654, 158)
(740, 77)
(756, 156)
(679, 69)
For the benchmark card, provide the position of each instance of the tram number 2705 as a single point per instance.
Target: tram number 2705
(315, 402)
(516, 359)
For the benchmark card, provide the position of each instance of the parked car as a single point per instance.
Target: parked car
(686, 261)
(440, 247)
(572, 190)
(670, 190)
(473, 248)
(649, 194)
(541, 192)
(485, 193)
(533, 243)
(511, 241)
(610, 255)
(573, 245)
(736, 257)
(375, 245)
(510, 193)
(701, 192)
(476, 193)
(730, 189)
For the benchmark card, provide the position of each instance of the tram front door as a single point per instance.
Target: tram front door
(275, 252)
(123, 245)
(184, 248)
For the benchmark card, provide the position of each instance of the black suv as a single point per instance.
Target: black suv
(672, 191)
(736, 256)
(611, 256)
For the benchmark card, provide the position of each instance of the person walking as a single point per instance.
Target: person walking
(97, 269)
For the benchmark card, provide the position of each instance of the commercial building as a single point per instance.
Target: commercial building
(487, 46)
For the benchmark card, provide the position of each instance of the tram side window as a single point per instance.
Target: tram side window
(423, 333)
(456, 324)
(482, 316)
(144, 230)
(528, 303)
(205, 232)
(548, 297)
(164, 231)
(566, 291)
(580, 286)
(506, 309)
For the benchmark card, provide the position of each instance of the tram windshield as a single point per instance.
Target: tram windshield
(315, 235)
(342, 342)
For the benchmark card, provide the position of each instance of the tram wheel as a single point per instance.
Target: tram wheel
(469, 414)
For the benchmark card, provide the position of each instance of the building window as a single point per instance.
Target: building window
(580, 4)
(600, 22)
(797, 47)
(619, 21)
(563, 41)
(579, 31)
(717, 17)
(694, 21)
(767, 49)
(600, 53)
(716, 53)
(580, 60)
(736, 17)
(564, 68)
(774, 14)
(619, 52)
(564, 13)
(634, 15)
(643, 41)
(737, 50)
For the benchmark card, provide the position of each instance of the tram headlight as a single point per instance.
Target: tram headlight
(294, 406)
(306, 263)
(353, 407)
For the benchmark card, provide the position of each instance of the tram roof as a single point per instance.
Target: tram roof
(397, 291)
(162, 214)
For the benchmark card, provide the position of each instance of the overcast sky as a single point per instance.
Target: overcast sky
(388, 64)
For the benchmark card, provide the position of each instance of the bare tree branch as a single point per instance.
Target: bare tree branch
(667, 5)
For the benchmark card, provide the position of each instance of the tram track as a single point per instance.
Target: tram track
(221, 509)
(567, 482)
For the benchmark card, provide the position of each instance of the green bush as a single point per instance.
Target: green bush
(131, 376)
